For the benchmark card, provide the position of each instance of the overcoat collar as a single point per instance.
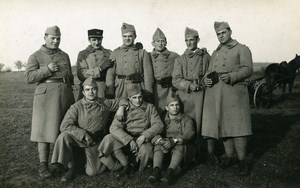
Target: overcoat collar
(191, 54)
(91, 49)
(49, 51)
(126, 48)
(229, 44)
(89, 104)
(143, 106)
(177, 119)
(165, 53)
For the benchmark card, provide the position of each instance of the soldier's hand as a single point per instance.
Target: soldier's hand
(140, 140)
(120, 113)
(207, 82)
(225, 78)
(88, 139)
(107, 64)
(167, 145)
(179, 141)
(133, 146)
(53, 67)
(193, 87)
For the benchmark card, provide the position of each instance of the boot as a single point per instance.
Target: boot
(169, 178)
(125, 171)
(58, 169)
(212, 159)
(243, 168)
(44, 170)
(227, 162)
(69, 175)
(156, 175)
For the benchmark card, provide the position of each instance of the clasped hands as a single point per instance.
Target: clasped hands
(135, 145)
(167, 143)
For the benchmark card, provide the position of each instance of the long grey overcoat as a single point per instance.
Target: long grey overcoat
(226, 110)
(51, 100)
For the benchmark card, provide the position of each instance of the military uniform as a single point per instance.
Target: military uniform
(53, 94)
(142, 120)
(89, 62)
(85, 117)
(132, 65)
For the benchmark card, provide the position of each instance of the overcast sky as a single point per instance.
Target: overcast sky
(271, 28)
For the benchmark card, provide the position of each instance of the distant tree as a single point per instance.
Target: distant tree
(1, 66)
(19, 64)
(8, 69)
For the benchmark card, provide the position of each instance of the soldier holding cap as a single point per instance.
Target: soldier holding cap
(226, 112)
(188, 71)
(176, 138)
(163, 63)
(50, 69)
(132, 65)
(141, 124)
(84, 125)
(94, 61)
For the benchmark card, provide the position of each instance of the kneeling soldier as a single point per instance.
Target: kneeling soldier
(176, 138)
(141, 124)
(84, 125)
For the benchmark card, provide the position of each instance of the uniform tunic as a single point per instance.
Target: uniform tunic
(226, 106)
(188, 69)
(88, 65)
(163, 64)
(129, 60)
(84, 117)
(51, 100)
(142, 120)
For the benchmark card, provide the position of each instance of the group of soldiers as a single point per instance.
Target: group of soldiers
(164, 104)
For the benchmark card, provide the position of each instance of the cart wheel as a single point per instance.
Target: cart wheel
(262, 97)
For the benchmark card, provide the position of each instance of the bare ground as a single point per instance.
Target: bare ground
(273, 149)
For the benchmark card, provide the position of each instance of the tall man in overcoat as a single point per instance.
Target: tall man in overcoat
(132, 66)
(85, 125)
(94, 61)
(163, 63)
(50, 69)
(188, 71)
(226, 111)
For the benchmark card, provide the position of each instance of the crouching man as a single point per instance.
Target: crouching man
(176, 141)
(134, 134)
(84, 125)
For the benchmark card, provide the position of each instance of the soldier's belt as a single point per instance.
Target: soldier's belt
(135, 78)
(66, 80)
(165, 82)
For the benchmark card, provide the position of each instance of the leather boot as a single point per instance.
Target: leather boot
(44, 170)
(169, 178)
(227, 162)
(212, 159)
(243, 168)
(125, 171)
(155, 176)
(69, 175)
(58, 169)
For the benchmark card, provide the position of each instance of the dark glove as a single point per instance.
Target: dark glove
(107, 64)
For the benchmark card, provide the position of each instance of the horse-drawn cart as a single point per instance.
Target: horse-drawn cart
(267, 78)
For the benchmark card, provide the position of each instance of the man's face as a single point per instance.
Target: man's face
(52, 42)
(224, 36)
(90, 92)
(173, 108)
(128, 38)
(136, 100)
(159, 45)
(192, 43)
(95, 42)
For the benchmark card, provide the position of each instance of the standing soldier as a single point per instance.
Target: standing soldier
(94, 61)
(132, 65)
(163, 63)
(50, 68)
(226, 112)
(188, 71)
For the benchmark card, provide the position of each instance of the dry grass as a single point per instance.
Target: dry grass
(274, 148)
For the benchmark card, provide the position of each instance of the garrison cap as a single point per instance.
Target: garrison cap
(95, 33)
(90, 81)
(54, 30)
(133, 89)
(220, 26)
(189, 32)
(126, 28)
(158, 34)
(172, 97)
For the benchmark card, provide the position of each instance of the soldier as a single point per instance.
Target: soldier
(178, 132)
(84, 125)
(226, 112)
(141, 124)
(94, 61)
(132, 65)
(163, 63)
(188, 71)
(50, 69)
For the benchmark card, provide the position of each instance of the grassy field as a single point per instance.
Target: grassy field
(274, 148)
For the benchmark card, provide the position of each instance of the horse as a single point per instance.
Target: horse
(281, 73)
